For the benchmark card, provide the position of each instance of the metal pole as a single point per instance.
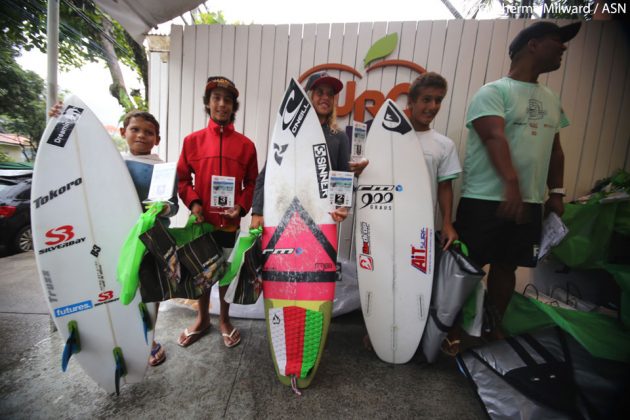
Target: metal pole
(52, 29)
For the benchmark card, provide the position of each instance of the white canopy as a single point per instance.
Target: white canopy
(139, 16)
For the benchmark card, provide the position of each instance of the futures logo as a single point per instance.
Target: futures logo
(294, 108)
(74, 308)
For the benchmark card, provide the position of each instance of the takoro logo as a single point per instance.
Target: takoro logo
(60, 237)
(320, 154)
(64, 126)
(294, 108)
(279, 152)
(394, 120)
(40, 201)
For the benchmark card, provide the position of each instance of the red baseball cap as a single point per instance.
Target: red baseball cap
(323, 77)
(222, 82)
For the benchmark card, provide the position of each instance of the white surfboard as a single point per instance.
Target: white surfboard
(299, 241)
(394, 237)
(83, 204)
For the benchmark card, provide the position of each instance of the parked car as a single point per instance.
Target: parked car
(15, 211)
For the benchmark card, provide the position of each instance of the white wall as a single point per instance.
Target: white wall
(593, 82)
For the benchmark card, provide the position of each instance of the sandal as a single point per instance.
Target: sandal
(228, 339)
(158, 355)
(450, 348)
(189, 337)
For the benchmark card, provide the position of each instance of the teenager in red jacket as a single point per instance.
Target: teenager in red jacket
(217, 150)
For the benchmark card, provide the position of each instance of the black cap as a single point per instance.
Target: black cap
(541, 29)
(222, 82)
(323, 77)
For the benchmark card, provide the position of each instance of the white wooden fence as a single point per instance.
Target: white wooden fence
(593, 82)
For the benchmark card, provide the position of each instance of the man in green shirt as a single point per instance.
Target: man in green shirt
(513, 155)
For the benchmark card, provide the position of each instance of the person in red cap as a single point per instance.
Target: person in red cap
(514, 163)
(217, 151)
(321, 89)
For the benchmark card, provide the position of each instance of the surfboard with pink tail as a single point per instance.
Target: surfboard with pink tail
(299, 241)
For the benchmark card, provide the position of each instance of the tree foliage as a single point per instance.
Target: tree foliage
(209, 18)
(22, 97)
(85, 35)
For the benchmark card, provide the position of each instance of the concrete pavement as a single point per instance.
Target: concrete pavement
(208, 380)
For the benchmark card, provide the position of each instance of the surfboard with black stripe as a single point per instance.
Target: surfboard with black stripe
(299, 241)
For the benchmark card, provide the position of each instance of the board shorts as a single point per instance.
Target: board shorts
(494, 239)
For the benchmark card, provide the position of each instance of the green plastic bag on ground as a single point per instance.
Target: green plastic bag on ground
(601, 335)
(132, 252)
(590, 227)
(621, 273)
(622, 218)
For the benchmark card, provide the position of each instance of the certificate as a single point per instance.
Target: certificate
(222, 194)
(341, 188)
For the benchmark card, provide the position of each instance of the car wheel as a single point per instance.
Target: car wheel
(23, 240)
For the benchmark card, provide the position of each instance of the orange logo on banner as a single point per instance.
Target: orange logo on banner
(370, 100)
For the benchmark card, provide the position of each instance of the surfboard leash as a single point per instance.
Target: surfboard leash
(294, 386)
(73, 344)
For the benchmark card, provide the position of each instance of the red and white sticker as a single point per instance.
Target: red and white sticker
(366, 262)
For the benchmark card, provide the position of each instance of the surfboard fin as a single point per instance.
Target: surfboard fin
(121, 369)
(147, 325)
(73, 344)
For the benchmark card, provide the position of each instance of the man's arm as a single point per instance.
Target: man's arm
(555, 178)
(249, 184)
(491, 131)
(185, 186)
(445, 200)
(259, 200)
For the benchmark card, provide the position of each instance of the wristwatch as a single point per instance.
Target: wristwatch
(561, 191)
